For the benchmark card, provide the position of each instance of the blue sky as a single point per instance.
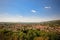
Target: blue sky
(29, 10)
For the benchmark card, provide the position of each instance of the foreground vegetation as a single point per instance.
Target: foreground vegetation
(35, 31)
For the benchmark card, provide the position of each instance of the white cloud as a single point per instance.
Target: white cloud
(20, 18)
(47, 7)
(33, 11)
(5, 17)
(17, 18)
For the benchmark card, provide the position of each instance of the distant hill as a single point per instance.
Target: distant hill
(51, 23)
(54, 22)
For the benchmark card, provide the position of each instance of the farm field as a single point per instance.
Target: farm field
(49, 30)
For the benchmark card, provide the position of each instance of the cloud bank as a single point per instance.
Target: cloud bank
(6, 17)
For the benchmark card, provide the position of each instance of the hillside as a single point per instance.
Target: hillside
(49, 30)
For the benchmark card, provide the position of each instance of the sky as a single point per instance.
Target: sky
(29, 10)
